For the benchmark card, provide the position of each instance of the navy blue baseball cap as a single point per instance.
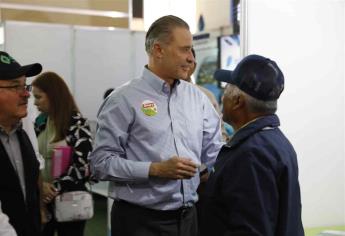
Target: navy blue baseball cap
(257, 76)
(11, 69)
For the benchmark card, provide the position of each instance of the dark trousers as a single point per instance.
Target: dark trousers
(73, 228)
(132, 220)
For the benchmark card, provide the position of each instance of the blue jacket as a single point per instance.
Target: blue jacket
(253, 188)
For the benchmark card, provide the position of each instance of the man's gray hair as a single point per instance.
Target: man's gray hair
(161, 29)
(253, 104)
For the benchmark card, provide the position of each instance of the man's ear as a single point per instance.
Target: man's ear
(157, 50)
(239, 102)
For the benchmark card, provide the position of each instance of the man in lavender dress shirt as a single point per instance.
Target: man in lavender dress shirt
(152, 135)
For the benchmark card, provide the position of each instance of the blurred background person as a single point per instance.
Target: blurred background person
(207, 92)
(225, 134)
(61, 124)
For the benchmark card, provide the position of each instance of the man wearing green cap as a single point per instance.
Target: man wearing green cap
(19, 168)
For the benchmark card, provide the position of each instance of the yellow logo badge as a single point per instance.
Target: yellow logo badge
(149, 108)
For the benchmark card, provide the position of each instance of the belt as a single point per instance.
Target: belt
(168, 214)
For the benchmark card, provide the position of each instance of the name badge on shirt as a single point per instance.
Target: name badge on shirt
(149, 108)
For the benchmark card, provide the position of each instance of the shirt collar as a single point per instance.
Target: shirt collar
(156, 82)
(15, 128)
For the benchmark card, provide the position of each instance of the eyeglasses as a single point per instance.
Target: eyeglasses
(19, 88)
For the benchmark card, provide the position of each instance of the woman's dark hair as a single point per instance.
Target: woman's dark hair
(61, 102)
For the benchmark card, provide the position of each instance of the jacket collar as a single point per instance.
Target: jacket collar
(265, 122)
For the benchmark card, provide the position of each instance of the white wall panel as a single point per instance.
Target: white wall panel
(306, 38)
(103, 59)
(48, 44)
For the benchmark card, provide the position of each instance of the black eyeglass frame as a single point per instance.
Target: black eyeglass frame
(18, 88)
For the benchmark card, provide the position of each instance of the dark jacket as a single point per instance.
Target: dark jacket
(253, 188)
(24, 215)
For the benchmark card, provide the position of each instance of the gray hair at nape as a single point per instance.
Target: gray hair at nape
(253, 105)
(161, 29)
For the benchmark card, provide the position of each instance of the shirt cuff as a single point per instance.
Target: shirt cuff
(142, 170)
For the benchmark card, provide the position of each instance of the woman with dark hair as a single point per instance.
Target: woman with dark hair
(61, 124)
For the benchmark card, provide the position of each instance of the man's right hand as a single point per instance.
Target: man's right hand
(174, 168)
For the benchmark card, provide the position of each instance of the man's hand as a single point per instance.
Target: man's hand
(174, 168)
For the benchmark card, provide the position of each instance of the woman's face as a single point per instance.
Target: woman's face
(41, 100)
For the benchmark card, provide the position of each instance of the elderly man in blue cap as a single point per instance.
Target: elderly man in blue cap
(253, 188)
